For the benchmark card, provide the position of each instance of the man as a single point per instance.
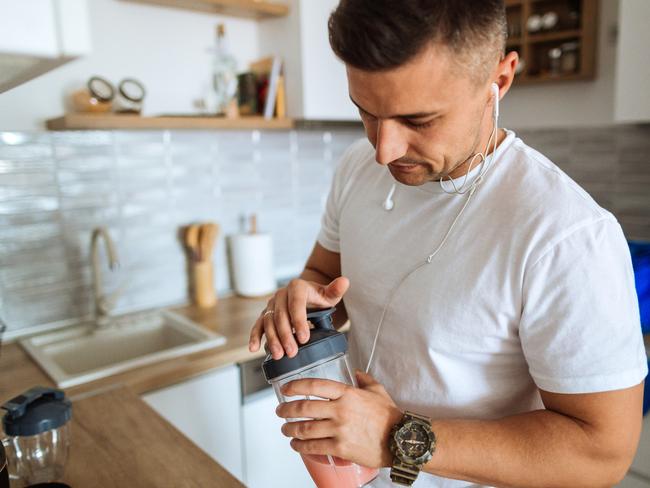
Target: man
(504, 293)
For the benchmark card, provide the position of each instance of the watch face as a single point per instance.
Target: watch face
(414, 442)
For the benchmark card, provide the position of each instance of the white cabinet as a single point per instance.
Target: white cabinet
(39, 35)
(269, 460)
(316, 81)
(207, 410)
(632, 97)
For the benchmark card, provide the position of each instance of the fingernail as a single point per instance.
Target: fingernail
(275, 350)
(302, 337)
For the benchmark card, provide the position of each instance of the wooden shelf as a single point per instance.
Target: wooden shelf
(554, 36)
(136, 122)
(257, 9)
(547, 78)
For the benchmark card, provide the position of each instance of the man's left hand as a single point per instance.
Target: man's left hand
(354, 425)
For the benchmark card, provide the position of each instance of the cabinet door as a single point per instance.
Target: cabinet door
(270, 461)
(325, 83)
(28, 27)
(632, 97)
(44, 28)
(207, 410)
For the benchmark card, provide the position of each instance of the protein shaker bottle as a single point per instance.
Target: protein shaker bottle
(38, 436)
(323, 356)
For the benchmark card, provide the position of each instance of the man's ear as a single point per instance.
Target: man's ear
(504, 74)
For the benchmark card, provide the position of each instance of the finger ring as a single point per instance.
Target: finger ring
(268, 312)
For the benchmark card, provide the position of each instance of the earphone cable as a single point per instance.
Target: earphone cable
(472, 189)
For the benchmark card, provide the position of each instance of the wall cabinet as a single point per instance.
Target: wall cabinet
(207, 410)
(36, 36)
(632, 97)
(315, 79)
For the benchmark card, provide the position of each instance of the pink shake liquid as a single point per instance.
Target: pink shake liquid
(343, 474)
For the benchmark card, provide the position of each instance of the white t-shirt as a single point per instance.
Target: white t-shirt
(534, 288)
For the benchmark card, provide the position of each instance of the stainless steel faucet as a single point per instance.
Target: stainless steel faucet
(103, 304)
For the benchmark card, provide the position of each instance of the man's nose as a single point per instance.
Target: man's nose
(391, 143)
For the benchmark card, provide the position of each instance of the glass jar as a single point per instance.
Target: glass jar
(4, 470)
(38, 436)
(323, 356)
(554, 58)
(130, 96)
(95, 97)
(570, 57)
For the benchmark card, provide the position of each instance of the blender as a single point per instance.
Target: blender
(323, 356)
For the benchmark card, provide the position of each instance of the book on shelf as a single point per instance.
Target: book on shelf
(271, 86)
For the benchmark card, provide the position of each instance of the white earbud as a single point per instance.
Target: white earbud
(495, 110)
(388, 203)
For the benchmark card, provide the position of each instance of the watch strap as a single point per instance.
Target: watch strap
(400, 472)
(411, 415)
(403, 474)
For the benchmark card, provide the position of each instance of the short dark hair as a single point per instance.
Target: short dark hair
(378, 35)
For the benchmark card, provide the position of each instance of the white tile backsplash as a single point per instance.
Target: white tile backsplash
(55, 187)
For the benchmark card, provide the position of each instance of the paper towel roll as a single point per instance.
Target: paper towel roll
(251, 264)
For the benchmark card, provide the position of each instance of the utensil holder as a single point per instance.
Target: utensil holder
(202, 284)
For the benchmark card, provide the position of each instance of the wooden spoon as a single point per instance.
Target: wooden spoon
(209, 232)
(192, 241)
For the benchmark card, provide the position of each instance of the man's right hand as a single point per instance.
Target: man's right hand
(287, 311)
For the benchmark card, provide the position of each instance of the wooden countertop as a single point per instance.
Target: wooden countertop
(232, 317)
(117, 440)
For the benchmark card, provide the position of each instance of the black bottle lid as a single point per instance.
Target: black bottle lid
(324, 342)
(37, 410)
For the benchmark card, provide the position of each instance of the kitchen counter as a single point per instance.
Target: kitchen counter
(232, 317)
(117, 440)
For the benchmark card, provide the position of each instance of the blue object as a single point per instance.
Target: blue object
(640, 252)
(646, 394)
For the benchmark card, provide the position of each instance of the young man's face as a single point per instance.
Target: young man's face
(423, 118)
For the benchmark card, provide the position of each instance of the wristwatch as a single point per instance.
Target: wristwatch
(412, 443)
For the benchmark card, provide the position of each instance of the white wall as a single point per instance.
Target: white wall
(570, 104)
(164, 48)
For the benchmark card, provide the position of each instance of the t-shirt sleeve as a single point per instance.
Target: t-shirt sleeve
(580, 328)
(328, 236)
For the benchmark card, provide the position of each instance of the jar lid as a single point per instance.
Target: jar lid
(132, 90)
(324, 342)
(101, 89)
(37, 410)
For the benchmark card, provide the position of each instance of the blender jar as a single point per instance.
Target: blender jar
(323, 356)
(38, 435)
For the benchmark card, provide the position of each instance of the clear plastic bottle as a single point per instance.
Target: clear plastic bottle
(223, 86)
(323, 356)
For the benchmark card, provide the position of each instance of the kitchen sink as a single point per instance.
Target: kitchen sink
(85, 352)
